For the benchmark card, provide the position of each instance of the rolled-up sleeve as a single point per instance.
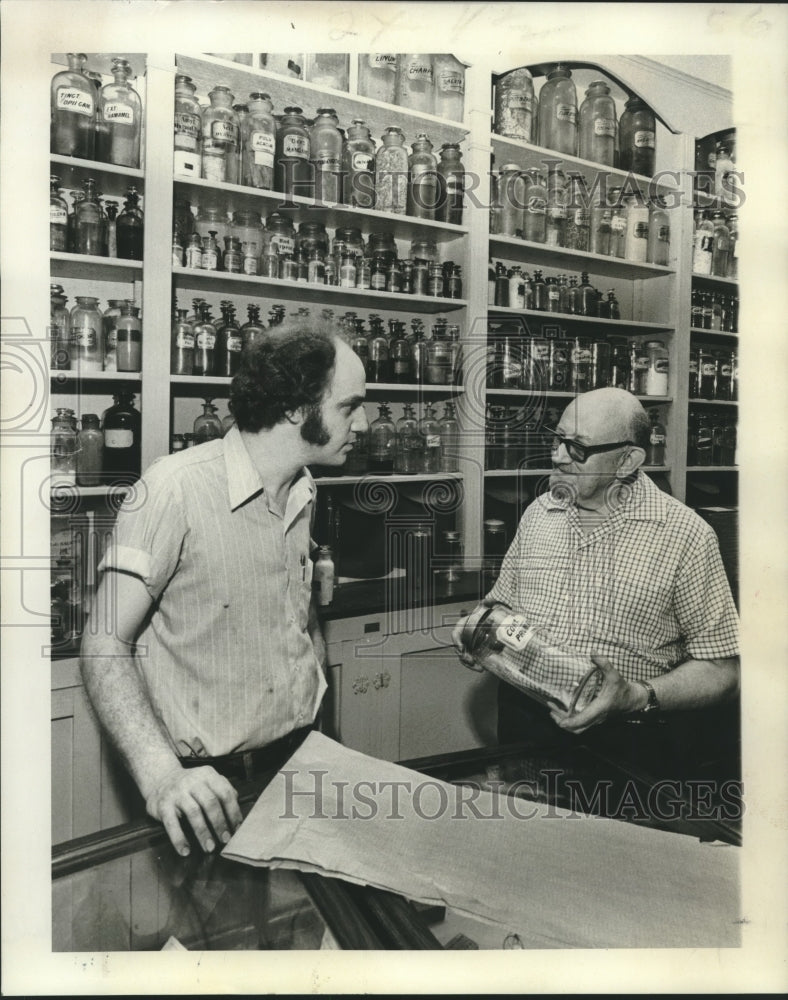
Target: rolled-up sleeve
(703, 603)
(149, 533)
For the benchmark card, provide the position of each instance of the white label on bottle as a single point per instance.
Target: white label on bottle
(618, 224)
(536, 205)
(362, 161)
(224, 132)
(295, 145)
(205, 340)
(187, 127)
(450, 81)
(185, 163)
(57, 216)
(515, 101)
(432, 440)
(580, 356)
(184, 339)
(284, 244)
(644, 139)
(250, 265)
(661, 366)
(514, 632)
(663, 234)
(84, 337)
(262, 142)
(420, 71)
(566, 113)
(581, 217)
(328, 163)
(540, 352)
(656, 438)
(379, 60)
(640, 232)
(726, 370)
(234, 343)
(114, 111)
(118, 438)
(605, 126)
(263, 159)
(74, 99)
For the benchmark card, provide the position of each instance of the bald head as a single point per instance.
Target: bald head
(604, 415)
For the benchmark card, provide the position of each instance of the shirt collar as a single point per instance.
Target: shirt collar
(244, 481)
(643, 501)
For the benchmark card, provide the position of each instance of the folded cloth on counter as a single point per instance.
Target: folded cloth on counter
(557, 878)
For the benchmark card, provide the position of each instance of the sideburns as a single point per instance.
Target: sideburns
(313, 429)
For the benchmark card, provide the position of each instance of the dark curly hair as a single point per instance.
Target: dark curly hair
(287, 369)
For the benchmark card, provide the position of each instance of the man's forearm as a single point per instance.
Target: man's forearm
(316, 635)
(122, 704)
(696, 684)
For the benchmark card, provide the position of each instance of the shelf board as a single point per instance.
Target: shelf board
(67, 377)
(378, 388)
(712, 468)
(558, 394)
(237, 197)
(529, 155)
(695, 401)
(370, 476)
(299, 291)
(712, 280)
(613, 324)
(697, 331)
(207, 71)
(502, 473)
(527, 252)
(75, 265)
(86, 491)
(71, 165)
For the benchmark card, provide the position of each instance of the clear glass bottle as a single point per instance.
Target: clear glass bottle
(448, 87)
(292, 169)
(377, 76)
(658, 232)
(502, 642)
(325, 145)
(120, 109)
(535, 214)
(637, 138)
(599, 234)
(618, 223)
(721, 245)
(382, 442)
(733, 235)
(131, 228)
(88, 222)
(558, 111)
(73, 111)
(122, 440)
(59, 330)
(557, 201)
(187, 129)
(129, 339)
(636, 238)
(258, 143)
(63, 447)
(359, 342)
(578, 217)
(328, 69)
(657, 376)
(247, 228)
(515, 106)
(229, 343)
(207, 426)
(422, 179)
(86, 336)
(58, 217)
(204, 342)
(430, 431)
(450, 439)
(391, 173)
(379, 366)
(451, 177)
(438, 356)
(253, 330)
(358, 166)
(220, 137)
(90, 451)
(323, 580)
(182, 350)
(598, 126)
(703, 245)
(511, 190)
(414, 87)
(409, 444)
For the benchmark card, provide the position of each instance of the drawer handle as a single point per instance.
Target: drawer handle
(361, 685)
(382, 680)
(371, 627)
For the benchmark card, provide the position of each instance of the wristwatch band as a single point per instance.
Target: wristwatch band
(652, 705)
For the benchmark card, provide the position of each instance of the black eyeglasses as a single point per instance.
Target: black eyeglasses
(581, 452)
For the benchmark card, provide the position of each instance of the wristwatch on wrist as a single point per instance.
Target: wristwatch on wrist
(652, 705)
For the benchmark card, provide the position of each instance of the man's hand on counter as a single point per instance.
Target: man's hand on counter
(462, 652)
(201, 796)
(617, 696)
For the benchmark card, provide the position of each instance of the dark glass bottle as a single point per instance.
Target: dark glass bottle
(207, 426)
(360, 343)
(589, 297)
(656, 441)
(358, 166)
(540, 292)
(122, 441)
(379, 367)
(292, 170)
(88, 222)
(228, 343)
(252, 330)
(58, 217)
(452, 180)
(501, 285)
(382, 443)
(182, 353)
(619, 364)
(204, 341)
(399, 353)
(131, 228)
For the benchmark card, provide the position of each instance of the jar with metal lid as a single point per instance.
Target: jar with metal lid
(59, 330)
(311, 236)
(637, 138)
(348, 240)
(220, 137)
(598, 126)
(530, 659)
(258, 143)
(511, 191)
(86, 336)
(292, 169)
(129, 339)
(515, 105)
(558, 111)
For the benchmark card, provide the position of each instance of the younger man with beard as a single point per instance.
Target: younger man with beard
(204, 646)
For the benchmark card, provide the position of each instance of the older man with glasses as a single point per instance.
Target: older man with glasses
(610, 565)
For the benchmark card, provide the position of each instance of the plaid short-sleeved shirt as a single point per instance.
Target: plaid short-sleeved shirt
(226, 654)
(646, 588)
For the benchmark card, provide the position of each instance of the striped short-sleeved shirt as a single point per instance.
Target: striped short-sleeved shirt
(226, 654)
(646, 588)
